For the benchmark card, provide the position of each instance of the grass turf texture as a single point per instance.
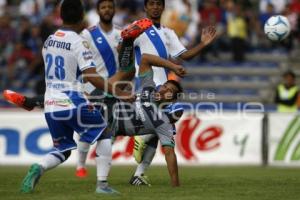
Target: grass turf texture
(207, 183)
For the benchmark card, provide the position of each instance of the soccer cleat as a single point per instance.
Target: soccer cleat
(16, 99)
(32, 178)
(81, 173)
(136, 28)
(106, 190)
(139, 148)
(139, 181)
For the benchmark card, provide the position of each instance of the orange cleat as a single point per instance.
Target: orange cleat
(16, 99)
(81, 173)
(136, 28)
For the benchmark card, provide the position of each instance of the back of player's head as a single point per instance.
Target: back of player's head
(289, 73)
(72, 11)
(101, 1)
(178, 86)
(146, 1)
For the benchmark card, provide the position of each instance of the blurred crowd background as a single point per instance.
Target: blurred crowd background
(25, 25)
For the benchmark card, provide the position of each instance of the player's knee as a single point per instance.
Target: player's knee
(105, 135)
(83, 147)
(153, 142)
(104, 148)
(168, 150)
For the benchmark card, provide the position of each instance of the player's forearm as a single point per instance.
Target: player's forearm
(149, 60)
(91, 76)
(172, 166)
(101, 84)
(193, 52)
(120, 78)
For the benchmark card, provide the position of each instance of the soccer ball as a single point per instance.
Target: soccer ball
(277, 28)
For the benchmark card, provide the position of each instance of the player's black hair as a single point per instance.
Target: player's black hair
(289, 73)
(178, 86)
(101, 1)
(146, 1)
(72, 11)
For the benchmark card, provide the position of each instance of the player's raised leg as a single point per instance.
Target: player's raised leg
(22, 101)
(136, 28)
(126, 73)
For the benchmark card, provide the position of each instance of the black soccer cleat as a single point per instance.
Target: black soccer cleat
(139, 181)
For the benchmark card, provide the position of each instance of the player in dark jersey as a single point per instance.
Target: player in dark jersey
(147, 114)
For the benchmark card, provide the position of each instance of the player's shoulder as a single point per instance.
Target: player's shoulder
(78, 38)
(117, 31)
(66, 36)
(80, 42)
(91, 28)
(85, 32)
(167, 30)
(117, 28)
(87, 35)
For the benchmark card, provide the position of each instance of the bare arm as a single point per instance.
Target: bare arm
(92, 76)
(208, 35)
(149, 60)
(172, 165)
(122, 79)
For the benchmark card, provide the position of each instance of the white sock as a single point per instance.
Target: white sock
(83, 149)
(103, 159)
(51, 160)
(147, 159)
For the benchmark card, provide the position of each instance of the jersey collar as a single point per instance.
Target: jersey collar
(157, 25)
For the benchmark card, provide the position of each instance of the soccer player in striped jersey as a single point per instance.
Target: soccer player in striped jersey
(104, 39)
(163, 42)
(67, 56)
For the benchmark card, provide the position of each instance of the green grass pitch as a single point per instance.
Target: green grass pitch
(207, 183)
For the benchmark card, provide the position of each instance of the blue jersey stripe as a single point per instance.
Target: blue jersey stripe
(105, 51)
(138, 55)
(158, 44)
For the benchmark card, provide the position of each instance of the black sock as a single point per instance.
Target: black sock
(32, 102)
(126, 55)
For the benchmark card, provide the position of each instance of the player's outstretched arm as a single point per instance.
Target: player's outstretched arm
(208, 35)
(148, 60)
(172, 165)
(92, 76)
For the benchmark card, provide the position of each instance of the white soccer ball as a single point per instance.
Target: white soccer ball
(277, 28)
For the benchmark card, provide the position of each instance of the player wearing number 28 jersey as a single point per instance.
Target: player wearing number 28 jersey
(63, 83)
